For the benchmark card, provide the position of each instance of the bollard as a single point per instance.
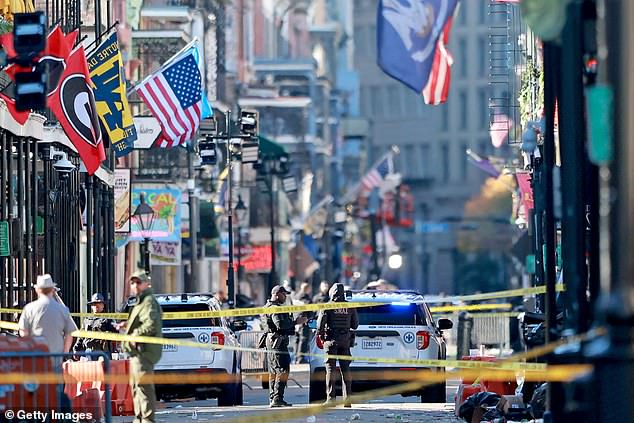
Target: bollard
(465, 330)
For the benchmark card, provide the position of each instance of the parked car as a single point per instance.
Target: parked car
(401, 326)
(215, 331)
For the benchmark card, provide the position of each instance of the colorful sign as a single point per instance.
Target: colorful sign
(122, 200)
(259, 260)
(166, 205)
(165, 253)
(5, 248)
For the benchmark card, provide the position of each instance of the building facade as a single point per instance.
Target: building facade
(432, 139)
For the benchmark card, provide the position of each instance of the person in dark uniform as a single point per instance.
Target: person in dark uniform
(336, 330)
(96, 324)
(279, 327)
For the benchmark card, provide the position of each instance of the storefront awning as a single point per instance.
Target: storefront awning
(269, 148)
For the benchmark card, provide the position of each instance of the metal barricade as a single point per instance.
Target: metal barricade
(50, 390)
(252, 361)
(488, 330)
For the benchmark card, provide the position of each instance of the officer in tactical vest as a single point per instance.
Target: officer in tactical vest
(96, 324)
(336, 330)
(279, 327)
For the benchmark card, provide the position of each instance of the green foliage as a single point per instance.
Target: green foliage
(531, 95)
(5, 26)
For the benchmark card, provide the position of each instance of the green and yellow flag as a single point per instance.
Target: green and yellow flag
(106, 71)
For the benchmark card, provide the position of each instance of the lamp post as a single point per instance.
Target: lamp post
(243, 147)
(241, 214)
(145, 216)
(269, 167)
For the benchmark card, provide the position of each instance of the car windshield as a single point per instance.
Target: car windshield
(392, 315)
(182, 323)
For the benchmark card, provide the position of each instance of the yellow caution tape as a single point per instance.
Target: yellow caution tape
(9, 325)
(441, 309)
(238, 312)
(555, 373)
(460, 364)
(496, 295)
(501, 314)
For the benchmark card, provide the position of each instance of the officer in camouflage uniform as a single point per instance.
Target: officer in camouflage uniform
(279, 327)
(96, 324)
(336, 330)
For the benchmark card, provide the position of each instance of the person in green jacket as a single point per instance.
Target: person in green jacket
(144, 320)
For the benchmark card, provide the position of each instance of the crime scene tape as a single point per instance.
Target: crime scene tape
(559, 374)
(240, 312)
(92, 373)
(441, 309)
(460, 364)
(520, 292)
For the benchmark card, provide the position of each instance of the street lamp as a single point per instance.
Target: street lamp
(269, 167)
(145, 216)
(395, 261)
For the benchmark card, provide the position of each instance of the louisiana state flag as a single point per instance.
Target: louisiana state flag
(407, 37)
(106, 72)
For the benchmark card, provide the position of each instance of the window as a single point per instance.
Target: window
(462, 50)
(185, 323)
(365, 102)
(392, 315)
(394, 95)
(425, 160)
(445, 162)
(462, 156)
(444, 117)
(377, 101)
(483, 55)
(463, 110)
(410, 161)
(483, 105)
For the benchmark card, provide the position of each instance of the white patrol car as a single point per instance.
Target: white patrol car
(176, 358)
(402, 327)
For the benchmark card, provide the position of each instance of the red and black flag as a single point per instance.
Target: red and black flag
(73, 103)
(53, 58)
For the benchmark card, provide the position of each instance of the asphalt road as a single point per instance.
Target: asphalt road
(395, 409)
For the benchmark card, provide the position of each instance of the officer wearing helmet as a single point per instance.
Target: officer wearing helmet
(336, 330)
(96, 324)
(279, 327)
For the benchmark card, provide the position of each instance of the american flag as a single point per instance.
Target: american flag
(174, 97)
(437, 89)
(376, 175)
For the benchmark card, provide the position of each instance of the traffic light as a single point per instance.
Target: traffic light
(29, 36)
(249, 121)
(29, 41)
(207, 151)
(30, 90)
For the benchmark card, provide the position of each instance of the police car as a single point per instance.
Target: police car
(221, 362)
(399, 326)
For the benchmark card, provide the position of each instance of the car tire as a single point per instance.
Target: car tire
(227, 396)
(436, 393)
(317, 387)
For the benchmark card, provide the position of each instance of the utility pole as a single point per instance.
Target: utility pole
(192, 286)
(373, 208)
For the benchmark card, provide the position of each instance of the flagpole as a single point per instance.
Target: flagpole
(350, 194)
(95, 40)
(169, 61)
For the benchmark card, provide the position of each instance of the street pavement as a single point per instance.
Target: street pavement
(395, 408)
